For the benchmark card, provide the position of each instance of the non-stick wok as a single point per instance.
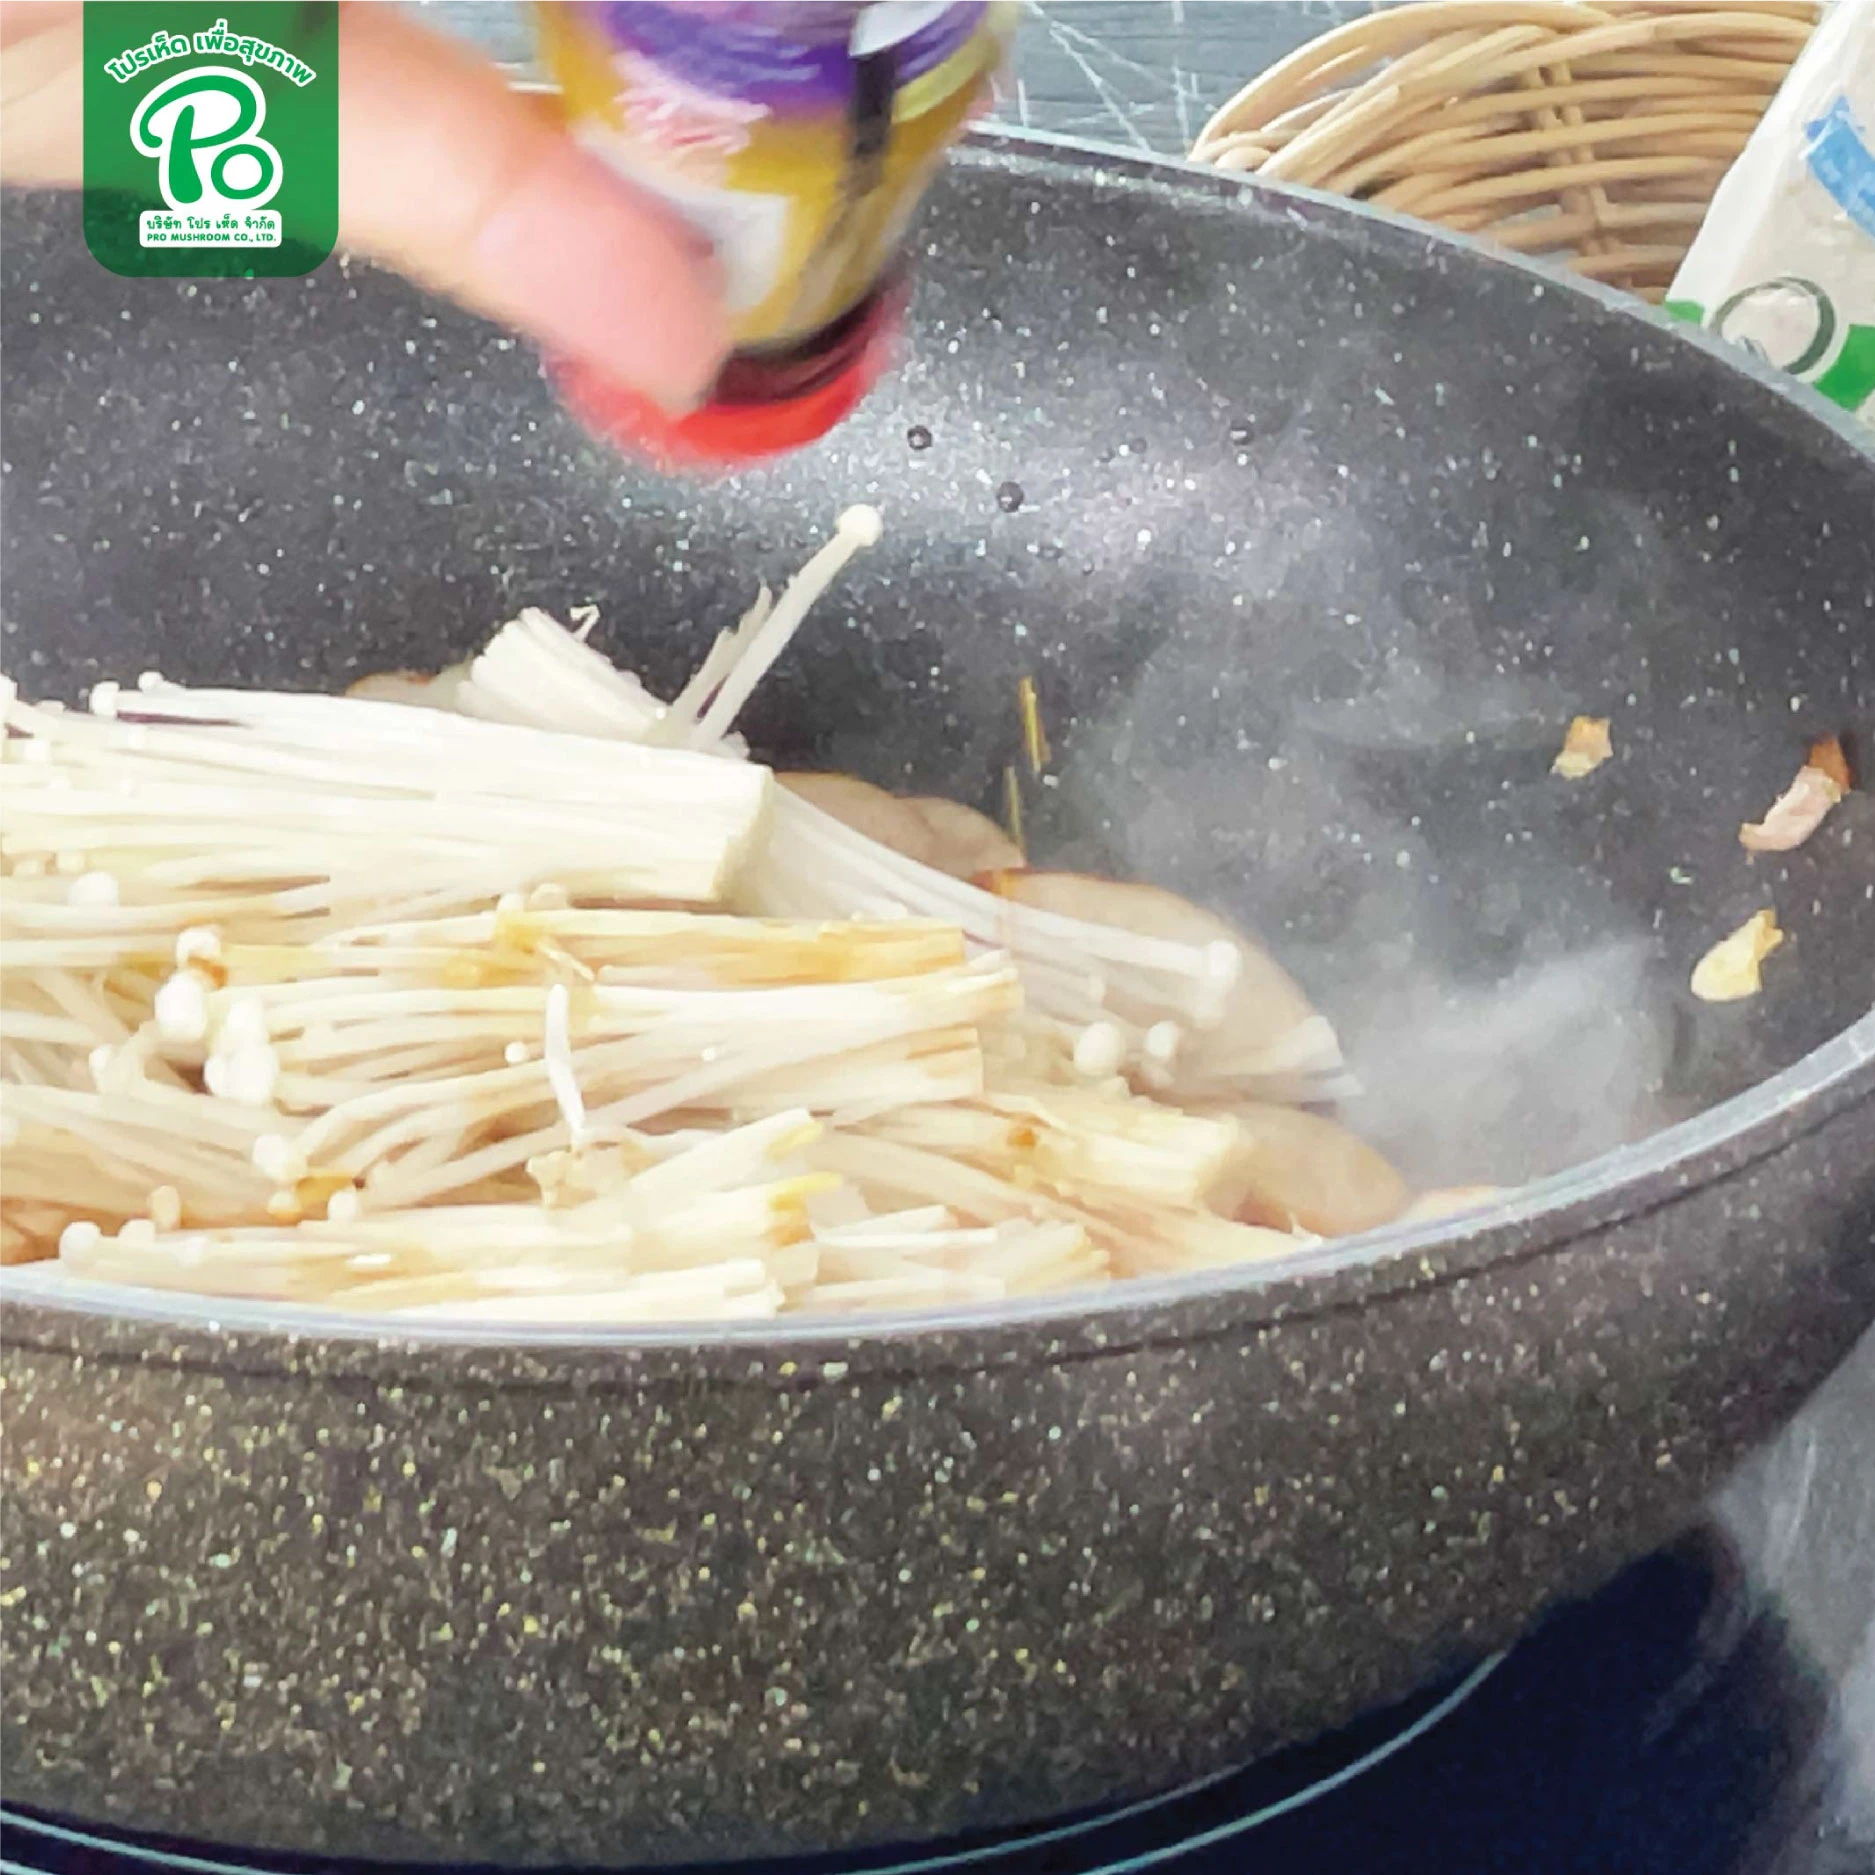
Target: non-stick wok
(1327, 526)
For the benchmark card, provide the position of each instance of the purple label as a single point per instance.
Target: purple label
(782, 56)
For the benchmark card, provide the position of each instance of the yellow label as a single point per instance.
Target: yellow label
(803, 218)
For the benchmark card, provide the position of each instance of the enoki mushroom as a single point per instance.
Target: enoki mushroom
(520, 995)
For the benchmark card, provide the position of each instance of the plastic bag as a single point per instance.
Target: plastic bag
(1784, 263)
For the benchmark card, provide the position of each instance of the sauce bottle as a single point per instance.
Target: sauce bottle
(799, 138)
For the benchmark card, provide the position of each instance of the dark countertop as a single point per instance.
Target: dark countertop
(1145, 74)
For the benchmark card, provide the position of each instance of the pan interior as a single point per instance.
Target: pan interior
(1313, 531)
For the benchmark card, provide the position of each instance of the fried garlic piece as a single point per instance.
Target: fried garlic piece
(1729, 972)
(1821, 782)
(1585, 748)
(1794, 815)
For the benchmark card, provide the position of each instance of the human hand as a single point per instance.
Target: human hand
(452, 178)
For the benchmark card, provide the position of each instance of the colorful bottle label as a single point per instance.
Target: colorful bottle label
(799, 137)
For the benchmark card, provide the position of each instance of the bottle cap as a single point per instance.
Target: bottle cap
(761, 405)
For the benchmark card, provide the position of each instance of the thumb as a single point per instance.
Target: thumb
(451, 177)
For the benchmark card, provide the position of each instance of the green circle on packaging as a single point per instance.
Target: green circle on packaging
(1822, 333)
(211, 136)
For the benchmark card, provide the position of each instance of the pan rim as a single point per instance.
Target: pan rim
(983, 147)
(1531, 1221)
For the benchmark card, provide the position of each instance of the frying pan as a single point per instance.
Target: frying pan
(1327, 526)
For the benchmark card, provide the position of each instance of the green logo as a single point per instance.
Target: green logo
(211, 136)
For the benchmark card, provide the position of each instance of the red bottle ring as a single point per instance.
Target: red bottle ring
(728, 432)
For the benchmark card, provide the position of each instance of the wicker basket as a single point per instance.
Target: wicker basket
(1593, 134)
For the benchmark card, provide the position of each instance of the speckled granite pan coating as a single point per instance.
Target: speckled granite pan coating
(636, 1601)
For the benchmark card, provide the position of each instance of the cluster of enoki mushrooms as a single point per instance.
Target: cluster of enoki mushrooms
(518, 995)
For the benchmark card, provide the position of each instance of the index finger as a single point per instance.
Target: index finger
(471, 187)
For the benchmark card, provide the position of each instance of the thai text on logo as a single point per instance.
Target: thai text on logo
(164, 46)
(202, 127)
